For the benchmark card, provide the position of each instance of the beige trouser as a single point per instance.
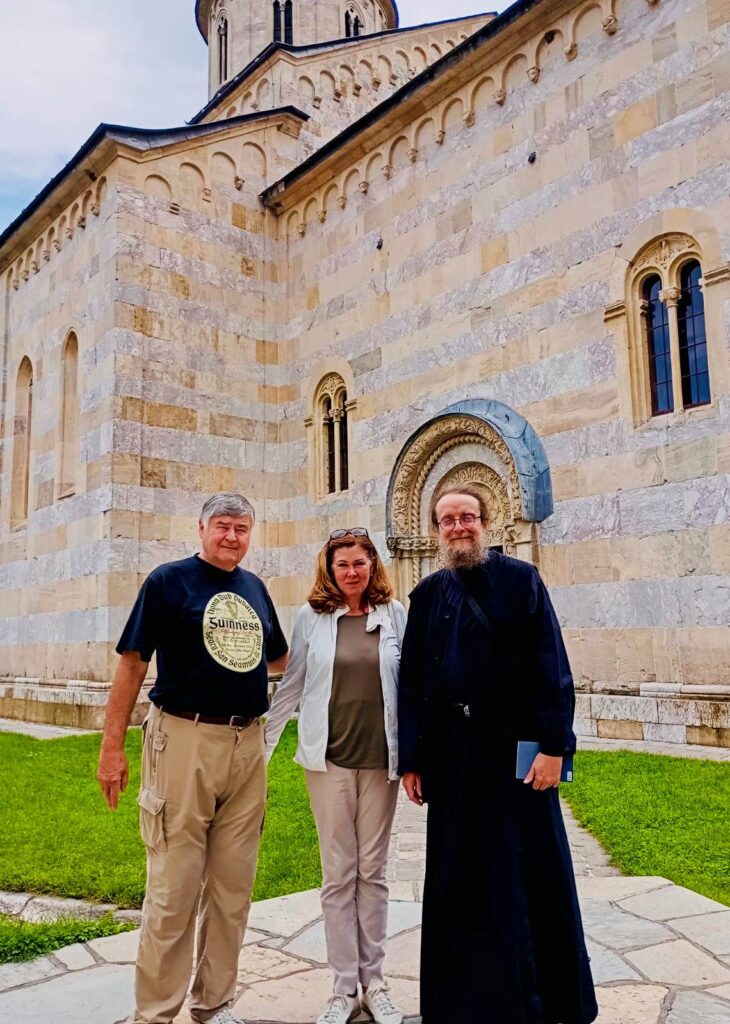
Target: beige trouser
(201, 814)
(354, 812)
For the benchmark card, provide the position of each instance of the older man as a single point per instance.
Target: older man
(484, 666)
(203, 789)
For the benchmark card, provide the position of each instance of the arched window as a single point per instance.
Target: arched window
(657, 344)
(348, 25)
(669, 349)
(222, 48)
(692, 337)
(22, 430)
(69, 454)
(277, 21)
(288, 22)
(330, 419)
(357, 26)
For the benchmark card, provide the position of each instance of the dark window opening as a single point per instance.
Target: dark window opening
(693, 362)
(344, 468)
(657, 343)
(222, 49)
(356, 26)
(329, 446)
(277, 21)
(288, 22)
(348, 25)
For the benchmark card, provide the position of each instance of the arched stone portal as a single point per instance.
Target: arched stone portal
(478, 441)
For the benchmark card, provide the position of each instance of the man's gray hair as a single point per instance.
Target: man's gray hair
(227, 503)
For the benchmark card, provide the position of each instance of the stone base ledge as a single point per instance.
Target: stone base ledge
(682, 714)
(78, 703)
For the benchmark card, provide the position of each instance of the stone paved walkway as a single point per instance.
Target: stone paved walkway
(660, 954)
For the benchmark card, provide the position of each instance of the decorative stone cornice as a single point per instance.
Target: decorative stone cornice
(716, 275)
(614, 311)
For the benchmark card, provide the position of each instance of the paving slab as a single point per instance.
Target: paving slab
(259, 963)
(679, 963)
(75, 957)
(723, 992)
(12, 975)
(285, 915)
(697, 1008)
(709, 930)
(619, 930)
(402, 956)
(618, 888)
(630, 1004)
(117, 949)
(670, 903)
(101, 995)
(607, 966)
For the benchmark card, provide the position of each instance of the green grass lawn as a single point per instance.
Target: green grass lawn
(57, 837)
(25, 940)
(658, 815)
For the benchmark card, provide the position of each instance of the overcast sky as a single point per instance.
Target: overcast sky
(68, 65)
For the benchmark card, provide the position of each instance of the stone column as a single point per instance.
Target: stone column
(671, 297)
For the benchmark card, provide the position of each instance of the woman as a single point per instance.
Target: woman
(343, 674)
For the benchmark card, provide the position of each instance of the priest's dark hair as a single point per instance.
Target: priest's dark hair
(472, 491)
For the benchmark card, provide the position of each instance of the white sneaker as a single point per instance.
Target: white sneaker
(223, 1016)
(340, 1010)
(384, 1011)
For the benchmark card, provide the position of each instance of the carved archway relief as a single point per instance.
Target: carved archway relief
(453, 449)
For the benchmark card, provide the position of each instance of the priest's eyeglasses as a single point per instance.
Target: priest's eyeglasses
(467, 520)
(353, 531)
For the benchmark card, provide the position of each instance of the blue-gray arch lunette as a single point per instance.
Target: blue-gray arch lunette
(533, 471)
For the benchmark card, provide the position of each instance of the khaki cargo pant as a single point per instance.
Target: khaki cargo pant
(201, 813)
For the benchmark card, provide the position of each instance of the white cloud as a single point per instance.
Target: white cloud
(68, 65)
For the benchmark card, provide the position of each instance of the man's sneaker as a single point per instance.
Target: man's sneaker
(223, 1016)
(340, 1010)
(384, 1011)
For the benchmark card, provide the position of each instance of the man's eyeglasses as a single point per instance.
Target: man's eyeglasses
(449, 522)
(354, 531)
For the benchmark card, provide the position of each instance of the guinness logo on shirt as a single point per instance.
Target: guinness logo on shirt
(232, 632)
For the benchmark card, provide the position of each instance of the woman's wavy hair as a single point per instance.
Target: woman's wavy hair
(326, 596)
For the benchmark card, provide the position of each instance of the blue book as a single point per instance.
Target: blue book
(527, 751)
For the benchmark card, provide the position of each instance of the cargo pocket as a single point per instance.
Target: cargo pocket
(152, 820)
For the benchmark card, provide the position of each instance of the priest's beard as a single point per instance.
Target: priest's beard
(465, 554)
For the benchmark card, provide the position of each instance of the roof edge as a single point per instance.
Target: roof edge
(116, 131)
(492, 29)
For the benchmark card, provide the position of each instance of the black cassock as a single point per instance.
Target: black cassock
(502, 939)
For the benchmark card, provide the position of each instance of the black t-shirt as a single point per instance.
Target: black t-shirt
(213, 631)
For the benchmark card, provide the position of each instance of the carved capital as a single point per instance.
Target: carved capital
(356, 88)
(207, 194)
(439, 137)
(174, 207)
(46, 255)
(413, 154)
(34, 266)
(25, 274)
(238, 183)
(533, 73)
(81, 223)
(610, 25)
(377, 82)
(364, 187)
(337, 95)
(302, 228)
(336, 414)
(670, 296)
(321, 216)
(56, 245)
(317, 102)
(96, 209)
(69, 232)
(499, 97)
(571, 51)
(388, 171)
(468, 118)
(342, 201)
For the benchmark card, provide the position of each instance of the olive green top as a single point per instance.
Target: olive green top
(356, 712)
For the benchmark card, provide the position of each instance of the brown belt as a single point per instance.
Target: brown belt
(234, 722)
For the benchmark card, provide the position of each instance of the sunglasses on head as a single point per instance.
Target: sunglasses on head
(353, 531)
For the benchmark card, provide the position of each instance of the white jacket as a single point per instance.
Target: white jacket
(307, 682)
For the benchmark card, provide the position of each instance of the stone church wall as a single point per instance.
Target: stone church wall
(465, 270)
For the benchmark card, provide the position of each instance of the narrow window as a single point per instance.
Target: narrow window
(356, 26)
(222, 49)
(348, 25)
(69, 417)
(22, 443)
(288, 22)
(277, 21)
(344, 468)
(657, 343)
(329, 446)
(693, 338)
